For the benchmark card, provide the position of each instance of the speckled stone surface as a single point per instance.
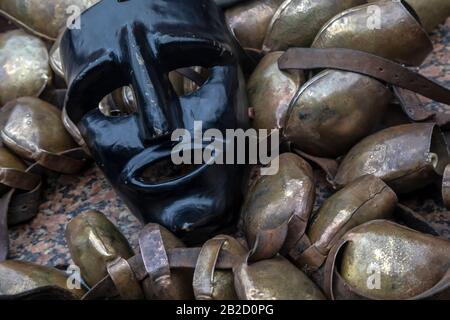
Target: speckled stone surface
(42, 239)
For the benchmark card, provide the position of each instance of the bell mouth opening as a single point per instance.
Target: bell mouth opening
(438, 155)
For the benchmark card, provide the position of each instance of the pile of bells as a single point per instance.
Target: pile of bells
(334, 76)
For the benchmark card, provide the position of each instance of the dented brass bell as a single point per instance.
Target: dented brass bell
(277, 207)
(385, 28)
(384, 260)
(270, 92)
(406, 157)
(211, 283)
(44, 18)
(367, 198)
(249, 21)
(297, 22)
(334, 110)
(33, 129)
(18, 278)
(274, 279)
(94, 242)
(24, 65)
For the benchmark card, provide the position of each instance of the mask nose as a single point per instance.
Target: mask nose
(158, 112)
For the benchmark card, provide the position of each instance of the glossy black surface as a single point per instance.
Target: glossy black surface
(138, 42)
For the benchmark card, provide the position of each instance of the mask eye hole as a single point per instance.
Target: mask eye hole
(187, 81)
(120, 102)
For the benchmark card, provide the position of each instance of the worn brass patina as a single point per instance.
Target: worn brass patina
(9, 161)
(384, 260)
(406, 157)
(367, 198)
(18, 277)
(297, 22)
(274, 279)
(209, 282)
(388, 30)
(335, 110)
(24, 68)
(270, 91)
(43, 18)
(278, 205)
(249, 21)
(431, 12)
(94, 242)
(33, 129)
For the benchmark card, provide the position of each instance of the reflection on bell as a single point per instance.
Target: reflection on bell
(384, 260)
(403, 156)
(274, 279)
(270, 92)
(94, 242)
(18, 277)
(383, 35)
(274, 201)
(297, 22)
(44, 18)
(24, 66)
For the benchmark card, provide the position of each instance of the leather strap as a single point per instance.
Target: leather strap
(367, 64)
(18, 179)
(156, 262)
(63, 162)
(124, 280)
(178, 258)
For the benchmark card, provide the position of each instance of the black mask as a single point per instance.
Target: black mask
(137, 43)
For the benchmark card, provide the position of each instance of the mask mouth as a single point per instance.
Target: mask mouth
(153, 170)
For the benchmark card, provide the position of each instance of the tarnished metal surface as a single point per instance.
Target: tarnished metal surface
(407, 262)
(406, 157)
(94, 242)
(24, 68)
(9, 161)
(274, 201)
(18, 277)
(297, 22)
(274, 279)
(44, 18)
(249, 21)
(389, 30)
(31, 126)
(270, 92)
(335, 110)
(431, 12)
(209, 282)
(367, 198)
